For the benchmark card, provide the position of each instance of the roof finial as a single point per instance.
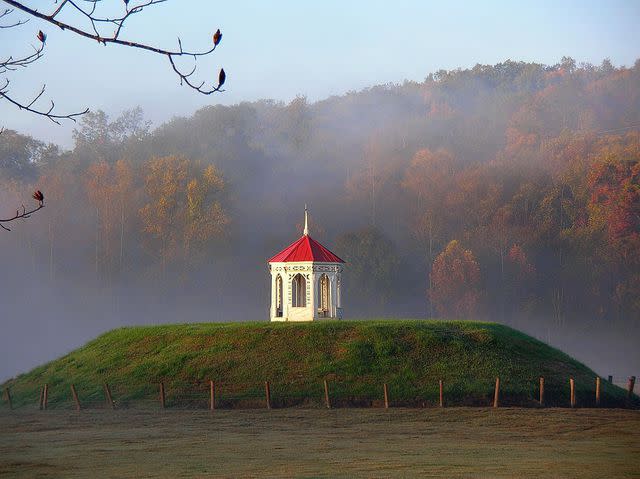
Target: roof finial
(306, 222)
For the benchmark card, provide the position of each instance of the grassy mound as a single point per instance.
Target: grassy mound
(356, 357)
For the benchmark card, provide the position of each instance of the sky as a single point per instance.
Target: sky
(281, 49)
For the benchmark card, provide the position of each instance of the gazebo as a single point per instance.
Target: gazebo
(305, 281)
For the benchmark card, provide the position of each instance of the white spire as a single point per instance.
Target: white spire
(306, 222)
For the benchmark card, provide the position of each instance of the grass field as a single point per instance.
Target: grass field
(306, 443)
(356, 357)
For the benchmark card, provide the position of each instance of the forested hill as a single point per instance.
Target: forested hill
(495, 192)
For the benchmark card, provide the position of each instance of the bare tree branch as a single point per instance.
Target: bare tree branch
(48, 114)
(118, 23)
(94, 24)
(12, 64)
(38, 196)
(11, 25)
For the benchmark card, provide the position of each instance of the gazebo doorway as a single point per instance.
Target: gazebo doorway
(324, 297)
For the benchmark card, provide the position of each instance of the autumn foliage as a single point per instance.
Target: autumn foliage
(183, 209)
(455, 278)
(500, 191)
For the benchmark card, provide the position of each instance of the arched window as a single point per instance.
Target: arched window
(278, 296)
(299, 292)
(324, 292)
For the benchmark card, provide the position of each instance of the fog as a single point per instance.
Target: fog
(505, 159)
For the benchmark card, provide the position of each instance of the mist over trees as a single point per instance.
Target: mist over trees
(507, 192)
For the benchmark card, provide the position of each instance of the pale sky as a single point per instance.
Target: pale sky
(280, 49)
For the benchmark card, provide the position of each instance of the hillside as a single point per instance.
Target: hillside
(356, 357)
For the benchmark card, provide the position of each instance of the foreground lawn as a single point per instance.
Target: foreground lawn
(451, 443)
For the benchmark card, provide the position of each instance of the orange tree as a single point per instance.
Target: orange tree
(454, 282)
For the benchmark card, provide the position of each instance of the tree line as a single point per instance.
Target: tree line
(491, 192)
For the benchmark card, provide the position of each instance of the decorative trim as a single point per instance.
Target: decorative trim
(300, 268)
(325, 268)
(308, 267)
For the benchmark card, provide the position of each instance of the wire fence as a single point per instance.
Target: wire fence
(198, 394)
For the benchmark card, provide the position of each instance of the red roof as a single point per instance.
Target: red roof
(305, 249)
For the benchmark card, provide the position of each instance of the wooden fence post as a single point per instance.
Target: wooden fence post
(7, 393)
(572, 386)
(162, 396)
(441, 394)
(326, 395)
(267, 394)
(630, 384)
(541, 400)
(598, 391)
(212, 395)
(496, 393)
(74, 393)
(108, 397)
(386, 396)
(45, 397)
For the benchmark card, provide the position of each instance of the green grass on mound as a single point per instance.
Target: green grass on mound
(356, 357)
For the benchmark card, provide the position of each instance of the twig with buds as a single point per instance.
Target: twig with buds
(92, 28)
(23, 214)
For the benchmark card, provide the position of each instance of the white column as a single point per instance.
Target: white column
(286, 291)
(313, 303)
(334, 295)
(273, 295)
(338, 292)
